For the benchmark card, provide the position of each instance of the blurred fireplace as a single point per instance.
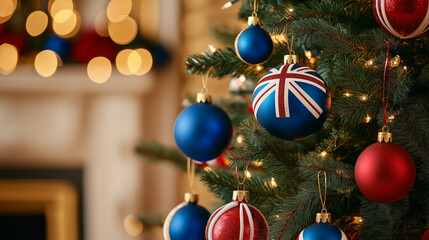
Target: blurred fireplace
(41, 204)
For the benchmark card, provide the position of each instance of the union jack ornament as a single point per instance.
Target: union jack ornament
(291, 101)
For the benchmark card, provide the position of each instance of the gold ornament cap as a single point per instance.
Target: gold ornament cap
(253, 20)
(323, 217)
(240, 195)
(385, 137)
(291, 59)
(203, 97)
(190, 197)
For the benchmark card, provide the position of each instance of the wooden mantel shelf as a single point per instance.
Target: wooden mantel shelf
(73, 79)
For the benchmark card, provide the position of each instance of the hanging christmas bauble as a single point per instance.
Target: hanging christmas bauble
(291, 101)
(322, 229)
(385, 171)
(202, 131)
(426, 235)
(402, 18)
(237, 221)
(187, 221)
(254, 45)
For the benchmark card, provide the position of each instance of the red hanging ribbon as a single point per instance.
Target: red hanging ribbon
(386, 98)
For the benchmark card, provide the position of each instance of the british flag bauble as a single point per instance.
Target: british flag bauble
(237, 221)
(402, 18)
(291, 101)
(322, 231)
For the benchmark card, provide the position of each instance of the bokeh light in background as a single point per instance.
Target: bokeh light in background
(67, 28)
(118, 10)
(46, 63)
(146, 61)
(134, 62)
(99, 69)
(137, 62)
(122, 62)
(36, 23)
(55, 6)
(101, 24)
(8, 58)
(123, 32)
(7, 7)
(132, 225)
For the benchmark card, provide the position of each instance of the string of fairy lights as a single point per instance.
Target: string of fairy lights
(114, 22)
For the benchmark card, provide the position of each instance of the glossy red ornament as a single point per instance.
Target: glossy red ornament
(426, 235)
(226, 222)
(402, 18)
(385, 172)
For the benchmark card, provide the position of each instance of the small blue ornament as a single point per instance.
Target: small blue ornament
(187, 221)
(291, 101)
(322, 231)
(254, 45)
(58, 45)
(202, 131)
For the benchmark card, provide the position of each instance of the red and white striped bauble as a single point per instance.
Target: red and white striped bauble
(237, 221)
(402, 18)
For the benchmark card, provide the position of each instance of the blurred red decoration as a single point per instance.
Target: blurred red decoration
(17, 39)
(90, 45)
(426, 235)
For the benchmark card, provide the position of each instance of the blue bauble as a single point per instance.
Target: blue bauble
(291, 101)
(202, 131)
(186, 222)
(322, 231)
(58, 45)
(254, 45)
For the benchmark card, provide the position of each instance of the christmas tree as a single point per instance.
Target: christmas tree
(374, 79)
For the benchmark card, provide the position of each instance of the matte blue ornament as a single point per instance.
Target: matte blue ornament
(202, 131)
(291, 101)
(58, 45)
(187, 221)
(254, 45)
(322, 231)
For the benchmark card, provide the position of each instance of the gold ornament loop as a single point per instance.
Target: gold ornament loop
(322, 198)
(241, 182)
(191, 175)
(323, 216)
(204, 96)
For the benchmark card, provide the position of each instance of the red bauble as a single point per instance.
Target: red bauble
(426, 235)
(402, 18)
(225, 223)
(90, 45)
(385, 172)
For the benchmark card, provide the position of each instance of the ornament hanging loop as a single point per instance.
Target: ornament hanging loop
(322, 198)
(204, 96)
(240, 182)
(191, 196)
(386, 97)
(191, 175)
(323, 216)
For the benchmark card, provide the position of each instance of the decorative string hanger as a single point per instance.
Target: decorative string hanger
(323, 216)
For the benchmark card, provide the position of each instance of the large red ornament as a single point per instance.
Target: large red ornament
(385, 171)
(237, 221)
(426, 235)
(402, 18)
